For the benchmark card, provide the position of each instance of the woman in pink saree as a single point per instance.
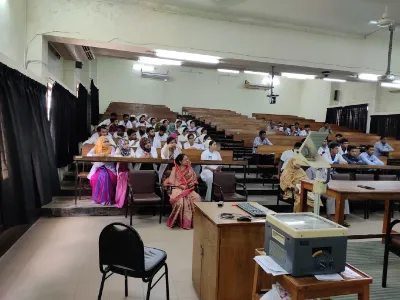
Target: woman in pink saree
(182, 181)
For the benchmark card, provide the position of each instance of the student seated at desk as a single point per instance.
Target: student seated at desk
(333, 156)
(324, 147)
(124, 150)
(260, 140)
(296, 131)
(133, 121)
(326, 128)
(351, 156)
(289, 182)
(126, 122)
(107, 122)
(207, 174)
(381, 147)
(201, 133)
(272, 126)
(344, 143)
(113, 127)
(192, 127)
(369, 158)
(101, 131)
(288, 154)
(182, 181)
(132, 137)
(151, 122)
(171, 150)
(141, 130)
(145, 150)
(206, 139)
(183, 133)
(180, 118)
(284, 127)
(102, 176)
(190, 144)
(306, 131)
(120, 133)
(171, 129)
(151, 134)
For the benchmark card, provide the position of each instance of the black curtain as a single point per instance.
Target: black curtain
(352, 116)
(83, 116)
(28, 177)
(94, 94)
(333, 115)
(64, 125)
(355, 117)
(388, 125)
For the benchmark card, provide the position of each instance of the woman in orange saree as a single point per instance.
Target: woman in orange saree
(182, 183)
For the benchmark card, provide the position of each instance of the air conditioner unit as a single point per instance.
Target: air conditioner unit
(248, 85)
(160, 76)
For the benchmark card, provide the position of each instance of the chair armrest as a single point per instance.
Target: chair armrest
(220, 190)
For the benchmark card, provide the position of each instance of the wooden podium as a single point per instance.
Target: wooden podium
(223, 251)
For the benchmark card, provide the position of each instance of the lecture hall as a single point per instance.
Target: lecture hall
(199, 149)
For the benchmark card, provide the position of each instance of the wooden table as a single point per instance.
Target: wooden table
(348, 190)
(308, 287)
(365, 167)
(223, 252)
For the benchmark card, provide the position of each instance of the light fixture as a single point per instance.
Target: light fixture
(334, 80)
(160, 76)
(390, 85)
(188, 56)
(256, 73)
(267, 80)
(298, 76)
(228, 71)
(396, 81)
(368, 77)
(373, 22)
(144, 68)
(158, 61)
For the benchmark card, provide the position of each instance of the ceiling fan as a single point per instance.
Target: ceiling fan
(386, 23)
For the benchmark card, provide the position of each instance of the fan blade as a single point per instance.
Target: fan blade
(380, 29)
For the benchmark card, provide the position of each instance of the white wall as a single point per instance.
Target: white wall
(55, 66)
(131, 24)
(13, 30)
(353, 93)
(315, 98)
(387, 102)
(117, 81)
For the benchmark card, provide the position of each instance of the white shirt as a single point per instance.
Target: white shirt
(97, 165)
(207, 155)
(304, 133)
(341, 152)
(182, 138)
(200, 139)
(105, 122)
(322, 150)
(116, 136)
(286, 155)
(158, 139)
(95, 136)
(338, 158)
(134, 143)
(127, 124)
(153, 152)
(174, 155)
(195, 146)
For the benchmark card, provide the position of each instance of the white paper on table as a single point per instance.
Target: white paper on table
(350, 274)
(329, 277)
(269, 265)
(271, 295)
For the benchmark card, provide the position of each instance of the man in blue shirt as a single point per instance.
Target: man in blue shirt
(260, 140)
(351, 156)
(382, 146)
(369, 158)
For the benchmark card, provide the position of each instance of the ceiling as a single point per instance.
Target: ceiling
(340, 16)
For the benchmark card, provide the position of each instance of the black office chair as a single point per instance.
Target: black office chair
(121, 251)
(392, 244)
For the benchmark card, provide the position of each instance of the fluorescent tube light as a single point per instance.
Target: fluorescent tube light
(256, 73)
(298, 76)
(390, 85)
(228, 71)
(334, 80)
(188, 56)
(144, 68)
(396, 81)
(158, 61)
(368, 77)
(267, 80)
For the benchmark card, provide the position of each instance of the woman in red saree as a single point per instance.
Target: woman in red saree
(183, 181)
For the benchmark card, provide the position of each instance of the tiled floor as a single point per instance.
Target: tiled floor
(57, 259)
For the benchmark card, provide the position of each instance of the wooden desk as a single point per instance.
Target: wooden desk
(365, 167)
(301, 288)
(223, 252)
(342, 190)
